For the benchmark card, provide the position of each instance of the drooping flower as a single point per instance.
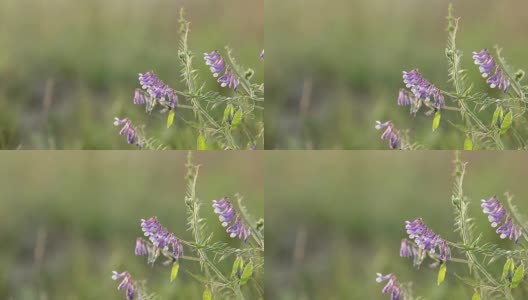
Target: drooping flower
(141, 247)
(127, 284)
(403, 98)
(217, 65)
(138, 97)
(157, 90)
(494, 209)
(391, 287)
(485, 62)
(498, 80)
(487, 65)
(161, 237)
(262, 55)
(390, 133)
(226, 214)
(510, 230)
(426, 239)
(422, 88)
(128, 129)
(406, 249)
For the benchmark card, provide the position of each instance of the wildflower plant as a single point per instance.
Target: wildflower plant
(238, 127)
(492, 271)
(491, 119)
(225, 272)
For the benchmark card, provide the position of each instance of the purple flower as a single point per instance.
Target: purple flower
(138, 97)
(494, 209)
(161, 237)
(226, 213)
(127, 283)
(128, 130)
(509, 230)
(404, 99)
(422, 88)
(487, 65)
(152, 84)
(485, 61)
(406, 249)
(390, 133)
(391, 287)
(498, 80)
(427, 239)
(141, 247)
(215, 61)
(217, 65)
(262, 55)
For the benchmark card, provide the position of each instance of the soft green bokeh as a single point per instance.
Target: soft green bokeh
(336, 218)
(334, 68)
(67, 68)
(70, 218)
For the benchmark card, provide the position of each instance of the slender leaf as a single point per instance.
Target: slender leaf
(507, 268)
(436, 120)
(518, 276)
(174, 272)
(200, 143)
(476, 296)
(228, 113)
(468, 144)
(496, 114)
(246, 274)
(236, 266)
(506, 123)
(236, 119)
(170, 118)
(441, 274)
(207, 294)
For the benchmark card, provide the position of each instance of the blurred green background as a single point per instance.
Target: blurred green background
(67, 68)
(334, 68)
(70, 218)
(337, 220)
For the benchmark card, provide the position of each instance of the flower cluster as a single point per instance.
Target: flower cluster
(426, 239)
(487, 65)
(129, 130)
(226, 213)
(496, 214)
(422, 88)
(391, 287)
(160, 237)
(127, 283)
(156, 89)
(217, 66)
(390, 133)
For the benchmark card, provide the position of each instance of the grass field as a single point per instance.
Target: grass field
(334, 222)
(333, 69)
(67, 68)
(70, 218)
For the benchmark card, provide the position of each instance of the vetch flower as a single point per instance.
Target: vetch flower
(141, 247)
(485, 62)
(157, 89)
(487, 65)
(226, 213)
(403, 98)
(262, 55)
(161, 237)
(390, 133)
(217, 65)
(510, 230)
(127, 284)
(494, 209)
(138, 97)
(406, 249)
(422, 88)
(427, 239)
(391, 287)
(128, 129)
